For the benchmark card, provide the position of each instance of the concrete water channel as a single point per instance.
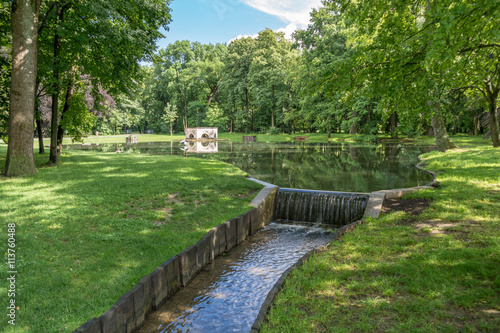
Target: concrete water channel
(228, 294)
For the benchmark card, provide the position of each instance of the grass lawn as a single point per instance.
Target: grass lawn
(434, 272)
(89, 230)
(460, 139)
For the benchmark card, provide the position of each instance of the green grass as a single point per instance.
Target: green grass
(436, 272)
(88, 230)
(460, 139)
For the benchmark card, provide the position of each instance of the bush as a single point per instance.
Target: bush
(274, 131)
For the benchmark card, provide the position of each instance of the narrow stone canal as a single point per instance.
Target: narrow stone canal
(227, 295)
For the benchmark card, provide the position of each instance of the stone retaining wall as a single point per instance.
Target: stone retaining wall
(130, 311)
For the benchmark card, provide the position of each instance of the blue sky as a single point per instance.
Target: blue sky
(219, 21)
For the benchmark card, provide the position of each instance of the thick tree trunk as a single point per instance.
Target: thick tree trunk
(443, 140)
(67, 104)
(24, 27)
(494, 127)
(492, 96)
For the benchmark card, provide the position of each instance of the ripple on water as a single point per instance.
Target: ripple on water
(228, 294)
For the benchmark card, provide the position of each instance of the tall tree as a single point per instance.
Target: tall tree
(394, 42)
(268, 73)
(24, 27)
(106, 39)
(236, 80)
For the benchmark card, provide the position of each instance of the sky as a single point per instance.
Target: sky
(220, 21)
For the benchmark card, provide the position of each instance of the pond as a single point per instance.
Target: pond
(302, 165)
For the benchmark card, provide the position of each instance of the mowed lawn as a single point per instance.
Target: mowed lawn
(88, 230)
(434, 272)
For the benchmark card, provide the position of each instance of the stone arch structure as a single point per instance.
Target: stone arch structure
(202, 133)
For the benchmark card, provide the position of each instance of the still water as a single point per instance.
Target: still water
(302, 165)
(227, 295)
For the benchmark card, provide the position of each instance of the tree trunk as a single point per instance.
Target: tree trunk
(492, 96)
(171, 129)
(39, 125)
(67, 104)
(24, 27)
(394, 131)
(477, 123)
(494, 128)
(443, 140)
(53, 158)
(272, 109)
(354, 126)
(247, 106)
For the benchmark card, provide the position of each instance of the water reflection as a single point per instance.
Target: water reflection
(201, 147)
(318, 166)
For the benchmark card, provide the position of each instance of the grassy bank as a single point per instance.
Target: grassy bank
(89, 230)
(434, 272)
(460, 139)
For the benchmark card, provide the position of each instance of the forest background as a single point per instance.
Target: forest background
(407, 68)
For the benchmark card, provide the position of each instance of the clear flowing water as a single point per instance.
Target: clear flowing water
(303, 165)
(227, 295)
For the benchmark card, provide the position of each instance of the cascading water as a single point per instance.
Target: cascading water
(333, 208)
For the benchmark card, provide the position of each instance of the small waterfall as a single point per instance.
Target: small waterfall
(335, 208)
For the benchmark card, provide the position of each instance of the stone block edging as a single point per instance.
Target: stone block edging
(281, 281)
(130, 311)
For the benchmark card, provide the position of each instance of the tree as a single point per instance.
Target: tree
(24, 25)
(268, 72)
(236, 80)
(170, 115)
(103, 39)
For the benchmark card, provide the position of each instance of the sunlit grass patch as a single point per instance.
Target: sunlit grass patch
(435, 272)
(87, 231)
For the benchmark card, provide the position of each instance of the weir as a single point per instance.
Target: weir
(319, 207)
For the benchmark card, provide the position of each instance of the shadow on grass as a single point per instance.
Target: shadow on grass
(87, 231)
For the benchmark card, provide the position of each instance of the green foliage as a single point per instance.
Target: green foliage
(5, 64)
(216, 118)
(78, 121)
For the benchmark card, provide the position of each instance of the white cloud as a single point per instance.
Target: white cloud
(288, 30)
(290, 11)
(242, 36)
(294, 12)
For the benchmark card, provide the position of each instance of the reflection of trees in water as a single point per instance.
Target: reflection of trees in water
(332, 167)
(341, 167)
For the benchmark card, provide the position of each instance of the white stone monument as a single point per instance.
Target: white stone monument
(202, 133)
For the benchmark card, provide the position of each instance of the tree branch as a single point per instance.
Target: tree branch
(477, 47)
